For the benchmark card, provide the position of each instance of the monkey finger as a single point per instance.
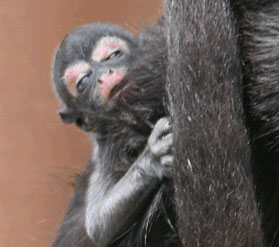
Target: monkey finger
(167, 160)
(163, 146)
(159, 129)
(168, 128)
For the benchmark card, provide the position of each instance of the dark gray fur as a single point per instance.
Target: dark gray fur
(259, 40)
(217, 171)
(214, 191)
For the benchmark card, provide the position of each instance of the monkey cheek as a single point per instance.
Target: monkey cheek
(71, 86)
(109, 82)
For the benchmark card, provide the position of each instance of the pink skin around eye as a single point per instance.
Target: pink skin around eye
(109, 82)
(104, 49)
(72, 74)
(101, 53)
(114, 44)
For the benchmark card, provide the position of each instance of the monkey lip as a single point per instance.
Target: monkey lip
(110, 82)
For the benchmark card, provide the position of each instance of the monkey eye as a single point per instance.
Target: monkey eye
(117, 53)
(82, 82)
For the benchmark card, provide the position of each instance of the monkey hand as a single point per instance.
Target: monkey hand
(160, 148)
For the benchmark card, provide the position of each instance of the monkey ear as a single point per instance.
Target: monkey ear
(67, 115)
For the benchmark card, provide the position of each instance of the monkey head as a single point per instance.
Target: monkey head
(88, 68)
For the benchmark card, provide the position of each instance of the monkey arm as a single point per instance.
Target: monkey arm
(111, 213)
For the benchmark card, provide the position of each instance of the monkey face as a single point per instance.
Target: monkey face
(105, 70)
(88, 68)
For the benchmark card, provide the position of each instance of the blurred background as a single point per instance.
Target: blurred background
(39, 156)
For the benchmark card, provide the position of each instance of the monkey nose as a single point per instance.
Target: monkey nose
(105, 75)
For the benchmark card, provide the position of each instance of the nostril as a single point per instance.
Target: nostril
(99, 81)
(111, 72)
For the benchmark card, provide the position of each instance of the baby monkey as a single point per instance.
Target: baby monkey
(99, 75)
